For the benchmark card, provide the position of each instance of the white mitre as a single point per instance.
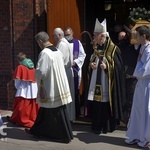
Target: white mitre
(101, 27)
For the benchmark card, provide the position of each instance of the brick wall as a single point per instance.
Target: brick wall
(5, 49)
(20, 21)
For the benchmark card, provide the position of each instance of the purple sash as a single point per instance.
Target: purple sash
(75, 53)
(75, 49)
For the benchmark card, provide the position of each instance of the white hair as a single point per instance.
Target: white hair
(105, 33)
(58, 31)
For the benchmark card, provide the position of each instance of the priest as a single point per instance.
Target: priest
(106, 82)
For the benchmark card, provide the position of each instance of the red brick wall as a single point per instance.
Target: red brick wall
(5, 49)
(20, 21)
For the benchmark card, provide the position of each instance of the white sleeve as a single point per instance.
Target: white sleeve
(17, 83)
(64, 47)
(142, 69)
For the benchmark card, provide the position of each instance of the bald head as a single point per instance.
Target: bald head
(58, 31)
(58, 34)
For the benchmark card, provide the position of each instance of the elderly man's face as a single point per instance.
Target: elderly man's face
(56, 37)
(99, 38)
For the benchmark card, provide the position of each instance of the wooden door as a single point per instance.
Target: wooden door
(63, 13)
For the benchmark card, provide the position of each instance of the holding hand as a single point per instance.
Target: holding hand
(103, 65)
(93, 65)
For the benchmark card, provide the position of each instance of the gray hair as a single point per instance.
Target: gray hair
(43, 36)
(58, 31)
(106, 34)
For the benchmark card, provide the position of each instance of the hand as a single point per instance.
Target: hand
(93, 65)
(103, 65)
(74, 63)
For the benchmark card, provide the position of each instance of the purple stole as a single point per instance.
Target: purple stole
(75, 53)
(76, 77)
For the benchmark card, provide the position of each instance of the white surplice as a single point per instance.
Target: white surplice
(50, 69)
(26, 89)
(64, 47)
(80, 60)
(139, 122)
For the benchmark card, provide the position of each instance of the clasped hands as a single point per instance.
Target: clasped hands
(102, 65)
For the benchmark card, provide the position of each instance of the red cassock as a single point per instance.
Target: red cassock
(24, 109)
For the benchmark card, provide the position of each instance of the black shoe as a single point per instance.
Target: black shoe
(66, 141)
(36, 136)
(27, 131)
(97, 131)
(8, 119)
(104, 131)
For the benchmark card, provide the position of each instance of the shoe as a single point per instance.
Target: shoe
(8, 119)
(27, 131)
(66, 141)
(36, 136)
(143, 144)
(131, 141)
(104, 132)
(97, 131)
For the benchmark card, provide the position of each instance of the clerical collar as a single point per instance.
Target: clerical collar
(51, 48)
(70, 41)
